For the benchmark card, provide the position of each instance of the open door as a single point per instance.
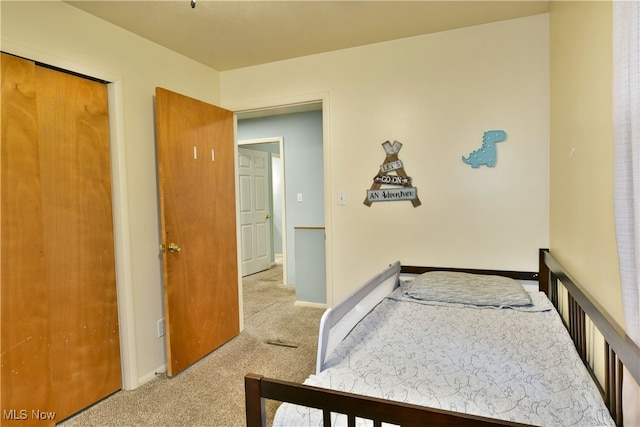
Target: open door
(255, 217)
(196, 177)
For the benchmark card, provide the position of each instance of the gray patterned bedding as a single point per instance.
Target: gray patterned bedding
(517, 364)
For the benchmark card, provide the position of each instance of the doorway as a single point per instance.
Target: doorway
(302, 164)
(277, 203)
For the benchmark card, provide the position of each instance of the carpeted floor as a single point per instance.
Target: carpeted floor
(211, 392)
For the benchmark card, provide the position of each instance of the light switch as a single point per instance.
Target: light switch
(299, 197)
(342, 198)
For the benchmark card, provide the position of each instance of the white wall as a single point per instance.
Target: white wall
(582, 226)
(56, 33)
(436, 94)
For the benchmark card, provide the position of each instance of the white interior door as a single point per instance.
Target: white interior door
(255, 230)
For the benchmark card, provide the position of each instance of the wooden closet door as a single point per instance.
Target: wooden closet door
(60, 347)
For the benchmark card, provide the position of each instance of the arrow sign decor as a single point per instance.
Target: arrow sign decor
(394, 178)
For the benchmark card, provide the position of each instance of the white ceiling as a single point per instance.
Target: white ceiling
(228, 34)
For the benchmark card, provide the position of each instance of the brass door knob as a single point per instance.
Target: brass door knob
(172, 248)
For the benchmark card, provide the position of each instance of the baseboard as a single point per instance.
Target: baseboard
(310, 304)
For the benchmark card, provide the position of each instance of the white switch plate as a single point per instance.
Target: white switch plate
(342, 198)
(299, 197)
(161, 330)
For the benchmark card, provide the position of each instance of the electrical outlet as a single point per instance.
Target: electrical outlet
(161, 330)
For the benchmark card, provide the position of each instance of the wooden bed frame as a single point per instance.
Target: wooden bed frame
(582, 310)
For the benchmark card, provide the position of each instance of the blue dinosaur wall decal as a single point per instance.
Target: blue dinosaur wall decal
(486, 155)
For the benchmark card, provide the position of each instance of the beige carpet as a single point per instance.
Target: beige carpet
(211, 392)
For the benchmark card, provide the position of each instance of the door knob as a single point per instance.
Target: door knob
(172, 248)
(268, 216)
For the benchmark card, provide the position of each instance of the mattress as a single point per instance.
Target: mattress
(512, 364)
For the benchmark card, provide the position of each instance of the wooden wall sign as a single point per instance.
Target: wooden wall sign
(397, 185)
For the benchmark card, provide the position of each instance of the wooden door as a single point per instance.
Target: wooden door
(255, 217)
(198, 224)
(60, 346)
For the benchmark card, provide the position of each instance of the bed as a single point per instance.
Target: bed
(405, 350)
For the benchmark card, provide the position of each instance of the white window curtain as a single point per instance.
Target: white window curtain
(626, 121)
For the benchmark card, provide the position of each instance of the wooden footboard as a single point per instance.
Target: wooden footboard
(259, 388)
(566, 295)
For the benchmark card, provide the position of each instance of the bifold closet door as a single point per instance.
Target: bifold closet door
(60, 347)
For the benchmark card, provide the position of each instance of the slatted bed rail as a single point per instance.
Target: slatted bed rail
(259, 388)
(620, 351)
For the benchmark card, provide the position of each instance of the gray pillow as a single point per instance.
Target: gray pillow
(466, 288)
